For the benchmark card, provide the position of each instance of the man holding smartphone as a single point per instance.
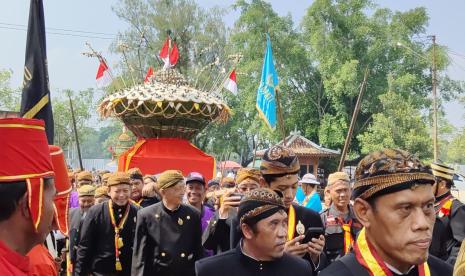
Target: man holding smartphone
(279, 169)
(218, 236)
(263, 227)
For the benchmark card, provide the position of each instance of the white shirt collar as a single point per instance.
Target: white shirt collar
(396, 271)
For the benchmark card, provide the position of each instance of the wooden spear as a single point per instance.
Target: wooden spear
(352, 122)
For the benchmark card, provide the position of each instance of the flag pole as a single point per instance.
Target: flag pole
(210, 65)
(168, 32)
(255, 149)
(352, 122)
(220, 85)
(280, 116)
(101, 58)
(216, 86)
(75, 131)
(122, 47)
(36, 101)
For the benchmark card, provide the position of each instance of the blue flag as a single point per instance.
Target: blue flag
(266, 95)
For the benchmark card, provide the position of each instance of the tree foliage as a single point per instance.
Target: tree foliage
(10, 98)
(398, 125)
(200, 35)
(320, 64)
(344, 39)
(245, 130)
(456, 148)
(82, 104)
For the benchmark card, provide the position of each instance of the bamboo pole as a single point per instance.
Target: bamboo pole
(352, 122)
(255, 149)
(435, 105)
(75, 131)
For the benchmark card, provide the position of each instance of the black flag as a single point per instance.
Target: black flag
(36, 101)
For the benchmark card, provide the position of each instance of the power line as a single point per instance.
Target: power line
(456, 64)
(452, 59)
(455, 53)
(59, 29)
(62, 34)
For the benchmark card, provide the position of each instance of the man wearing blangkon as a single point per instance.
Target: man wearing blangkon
(263, 224)
(394, 201)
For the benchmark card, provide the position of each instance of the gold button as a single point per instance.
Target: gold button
(183, 255)
(163, 254)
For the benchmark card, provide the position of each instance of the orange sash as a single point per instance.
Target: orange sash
(348, 240)
(291, 223)
(137, 203)
(307, 199)
(445, 207)
(69, 264)
(368, 258)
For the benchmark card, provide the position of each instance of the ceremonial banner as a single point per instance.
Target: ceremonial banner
(266, 93)
(35, 100)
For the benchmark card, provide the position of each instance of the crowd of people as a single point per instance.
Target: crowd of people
(397, 218)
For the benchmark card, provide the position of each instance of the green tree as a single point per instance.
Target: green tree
(10, 98)
(246, 129)
(344, 38)
(109, 136)
(398, 125)
(453, 146)
(200, 35)
(456, 148)
(83, 104)
(320, 66)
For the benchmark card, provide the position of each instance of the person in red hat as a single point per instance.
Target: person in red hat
(27, 191)
(43, 261)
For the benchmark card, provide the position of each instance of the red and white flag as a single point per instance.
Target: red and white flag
(103, 74)
(149, 75)
(231, 83)
(169, 56)
(101, 70)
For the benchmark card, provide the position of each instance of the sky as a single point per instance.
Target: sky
(69, 69)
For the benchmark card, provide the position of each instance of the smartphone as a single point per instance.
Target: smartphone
(238, 195)
(313, 232)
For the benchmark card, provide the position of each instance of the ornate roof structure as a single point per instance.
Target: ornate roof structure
(304, 147)
(165, 107)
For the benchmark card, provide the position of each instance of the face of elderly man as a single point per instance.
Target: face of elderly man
(339, 192)
(399, 225)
